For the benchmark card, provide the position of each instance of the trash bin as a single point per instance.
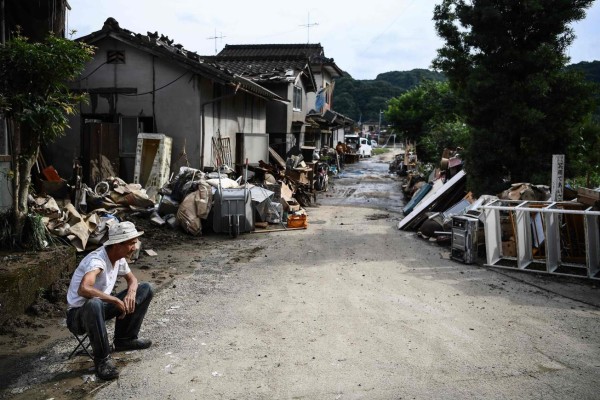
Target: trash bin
(232, 211)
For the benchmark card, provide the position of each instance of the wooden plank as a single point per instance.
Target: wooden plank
(278, 230)
(277, 157)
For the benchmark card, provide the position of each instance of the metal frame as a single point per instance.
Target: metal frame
(551, 215)
(84, 346)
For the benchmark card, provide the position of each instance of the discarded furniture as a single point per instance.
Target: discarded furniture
(549, 237)
(152, 159)
(251, 148)
(439, 200)
(464, 238)
(416, 198)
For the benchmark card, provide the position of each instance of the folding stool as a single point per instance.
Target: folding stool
(83, 342)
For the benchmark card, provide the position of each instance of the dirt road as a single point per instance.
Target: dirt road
(350, 308)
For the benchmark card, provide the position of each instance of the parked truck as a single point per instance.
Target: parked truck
(359, 145)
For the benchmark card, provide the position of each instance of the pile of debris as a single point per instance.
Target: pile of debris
(192, 200)
(517, 228)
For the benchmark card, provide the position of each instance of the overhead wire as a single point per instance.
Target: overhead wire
(407, 5)
(97, 68)
(157, 89)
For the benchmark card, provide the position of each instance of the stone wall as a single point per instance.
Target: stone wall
(23, 275)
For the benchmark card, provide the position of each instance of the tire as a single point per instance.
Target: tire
(234, 226)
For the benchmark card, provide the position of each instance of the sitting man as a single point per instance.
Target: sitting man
(90, 303)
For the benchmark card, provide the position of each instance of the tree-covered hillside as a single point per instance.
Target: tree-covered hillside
(363, 99)
(591, 70)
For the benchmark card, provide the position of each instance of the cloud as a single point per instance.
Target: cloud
(365, 39)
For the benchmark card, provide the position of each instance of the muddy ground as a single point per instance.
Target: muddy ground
(26, 339)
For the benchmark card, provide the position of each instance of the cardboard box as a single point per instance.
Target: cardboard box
(300, 176)
(290, 205)
(509, 249)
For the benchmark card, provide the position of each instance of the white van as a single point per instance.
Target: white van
(364, 149)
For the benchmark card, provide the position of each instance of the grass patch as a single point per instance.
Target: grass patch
(377, 151)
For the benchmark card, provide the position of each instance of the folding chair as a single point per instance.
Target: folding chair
(83, 342)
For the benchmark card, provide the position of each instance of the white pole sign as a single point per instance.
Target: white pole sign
(558, 177)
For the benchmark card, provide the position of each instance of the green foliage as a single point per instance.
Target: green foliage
(428, 115)
(584, 155)
(33, 82)
(380, 150)
(591, 70)
(506, 61)
(407, 80)
(37, 235)
(444, 135)
(365, 98)
(414, 112)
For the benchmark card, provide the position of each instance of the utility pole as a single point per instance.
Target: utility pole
(215, 38)
(308, 25)
(379, 126)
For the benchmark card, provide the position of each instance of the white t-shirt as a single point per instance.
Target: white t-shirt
(105, 281)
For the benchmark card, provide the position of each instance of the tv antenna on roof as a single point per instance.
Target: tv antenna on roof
(308, 25)
(215, 38)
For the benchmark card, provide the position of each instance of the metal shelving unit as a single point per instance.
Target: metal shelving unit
(551, 237)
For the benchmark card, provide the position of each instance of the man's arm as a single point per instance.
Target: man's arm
(129, 300)
(87, 290)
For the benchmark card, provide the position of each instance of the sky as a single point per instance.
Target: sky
(364, 38)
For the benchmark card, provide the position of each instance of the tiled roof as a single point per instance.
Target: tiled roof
(261, 70)
(265, 51)
(265, 58)
(162, 46)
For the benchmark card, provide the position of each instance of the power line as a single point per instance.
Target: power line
(390, 24)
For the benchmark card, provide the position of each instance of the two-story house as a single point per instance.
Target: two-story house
(301, 73)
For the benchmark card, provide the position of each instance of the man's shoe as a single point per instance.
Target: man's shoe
(132, 344)
(106, 369)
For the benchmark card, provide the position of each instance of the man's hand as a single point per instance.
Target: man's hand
(121, 306)
(129, 301)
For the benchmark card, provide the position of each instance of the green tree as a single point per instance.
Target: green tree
(584, 155)
(34, 96)
(506, 61)
(427, 115)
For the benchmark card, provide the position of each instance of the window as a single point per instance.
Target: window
(297, 98)
(115, 57)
